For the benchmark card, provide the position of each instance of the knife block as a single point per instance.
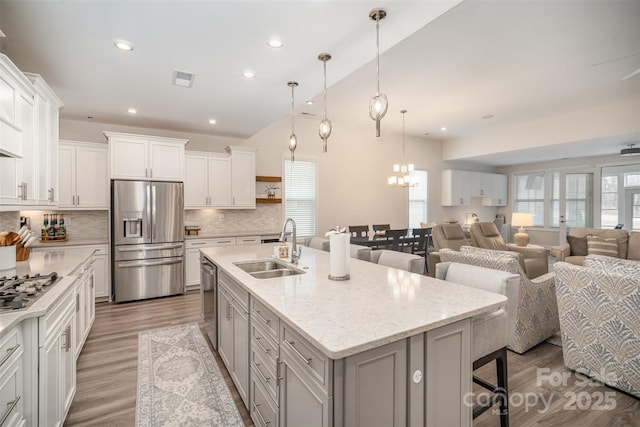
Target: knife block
(22, 253)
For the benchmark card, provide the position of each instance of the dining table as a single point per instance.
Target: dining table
(381, 242)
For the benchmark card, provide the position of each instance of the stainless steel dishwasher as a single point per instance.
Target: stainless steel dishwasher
(209, 298)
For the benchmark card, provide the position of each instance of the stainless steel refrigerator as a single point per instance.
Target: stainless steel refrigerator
(147, 239)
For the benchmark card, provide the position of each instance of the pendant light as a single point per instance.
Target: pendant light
(402, 173)
(325, 124)
(293, 140)
(379, 103)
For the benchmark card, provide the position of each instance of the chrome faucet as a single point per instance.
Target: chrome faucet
(295, 251)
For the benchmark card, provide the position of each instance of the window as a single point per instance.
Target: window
(529, 196)
(609, 208)
(300, 195)
(418, 199)
(578, 200)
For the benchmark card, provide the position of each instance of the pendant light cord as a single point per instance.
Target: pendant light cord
(292, 115)
(324, 92)
(403, 157)
(378, 54)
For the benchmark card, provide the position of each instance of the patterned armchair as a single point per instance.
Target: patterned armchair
(599, 306)
(537, 315)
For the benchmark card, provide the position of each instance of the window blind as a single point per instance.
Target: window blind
(300, 195)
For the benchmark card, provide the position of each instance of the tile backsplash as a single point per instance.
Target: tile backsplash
(95, 224)
(9, 221)
(80, 224)
(262, 219)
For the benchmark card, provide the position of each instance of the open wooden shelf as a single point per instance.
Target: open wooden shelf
(265, 200)
(268, 178)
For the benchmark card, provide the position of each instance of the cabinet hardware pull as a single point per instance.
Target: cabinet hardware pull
(266, 350)
(11, 406)
(224, 241)
(198, 243)
(228, 310)
(6, 357)
(78, 199)
(265, 379)
(150, 173)
(67, 338)
(73, 200)
(24, 191)
(77, 303)
(257, 411)
(20, 192)
(302, 356)
(50, 194)
(146, 172)
(257, 313)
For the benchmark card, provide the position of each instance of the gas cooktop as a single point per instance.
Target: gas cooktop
(19, 292)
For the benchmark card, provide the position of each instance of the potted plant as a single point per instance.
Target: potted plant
(271, 191)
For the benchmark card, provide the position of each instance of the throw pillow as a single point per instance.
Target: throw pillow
(597, 245)
(578, 245)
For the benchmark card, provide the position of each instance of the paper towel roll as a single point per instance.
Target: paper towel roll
(339, 258)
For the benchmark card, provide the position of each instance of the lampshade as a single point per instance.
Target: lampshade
(522, 219)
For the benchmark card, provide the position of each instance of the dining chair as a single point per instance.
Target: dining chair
(421, 239)
(396, 236)
(361, 231)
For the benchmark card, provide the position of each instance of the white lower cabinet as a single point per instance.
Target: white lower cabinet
(57, 362)
(11, 379)
(84, 305)
(192, 248)
(233, 332)
(101, 276)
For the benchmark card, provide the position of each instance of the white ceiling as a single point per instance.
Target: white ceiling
(447, 65)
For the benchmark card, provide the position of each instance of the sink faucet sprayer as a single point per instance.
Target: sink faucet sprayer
(295, 250)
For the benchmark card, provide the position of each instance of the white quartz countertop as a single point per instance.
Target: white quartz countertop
(378, 305)
(213, 235)
(71, 241)
(63, 261)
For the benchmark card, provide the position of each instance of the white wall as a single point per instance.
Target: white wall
(352, 175)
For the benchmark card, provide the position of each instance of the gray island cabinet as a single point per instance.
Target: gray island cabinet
(385, 348)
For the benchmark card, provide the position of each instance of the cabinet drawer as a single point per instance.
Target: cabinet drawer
(223, 241)
(49, 322)
(264, 372)
(11, 398)
(207, 243)
(310, 359)
(10, 346)
(266, 347)
(268, 321)
(248, 240)
(263, 409)
(237, 292)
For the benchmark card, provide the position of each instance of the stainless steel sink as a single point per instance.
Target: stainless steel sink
(268, 269)
(275, 273)
(253, 266)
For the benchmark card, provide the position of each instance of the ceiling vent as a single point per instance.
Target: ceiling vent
(631, 151)
(183, 78)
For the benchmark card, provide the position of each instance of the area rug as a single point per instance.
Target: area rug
(179, 381)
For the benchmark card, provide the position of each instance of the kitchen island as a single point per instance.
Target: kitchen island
(386, 347)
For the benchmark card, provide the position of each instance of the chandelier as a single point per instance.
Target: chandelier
(402, 173)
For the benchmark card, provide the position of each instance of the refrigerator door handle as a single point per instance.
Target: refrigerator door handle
(150, 225)
(155, 248)
(153, 212)
(147, 263)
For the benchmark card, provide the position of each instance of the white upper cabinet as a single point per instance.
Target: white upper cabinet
(243, 176)
(455, 188)
(459, 186)
(84, 175)
(145, 157)
(29, 134)
(223, 181)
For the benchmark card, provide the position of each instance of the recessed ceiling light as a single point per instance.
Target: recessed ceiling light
(443, 128)
(123, 45)
(132, 111)
(248, 74)
(275, 43)
(487, 116)
(310, 102)
(212, 121)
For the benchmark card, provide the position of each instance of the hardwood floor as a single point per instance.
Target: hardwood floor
(107, 375)
(107, 366)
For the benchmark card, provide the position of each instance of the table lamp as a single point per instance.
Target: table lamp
(521, 219)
